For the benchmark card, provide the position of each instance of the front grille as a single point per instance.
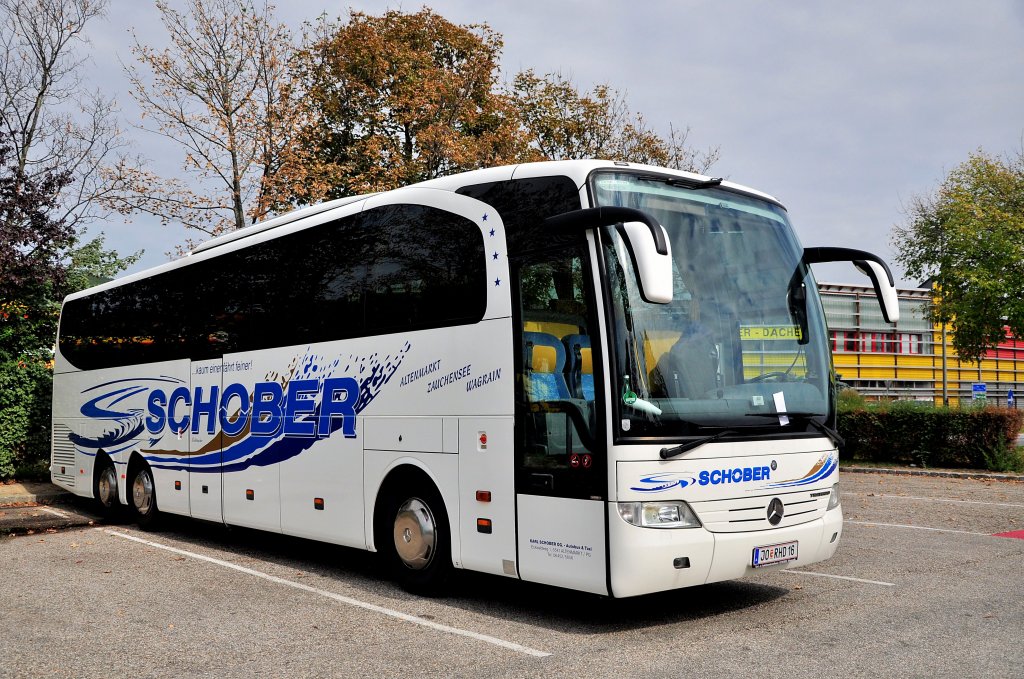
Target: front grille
(745, 514)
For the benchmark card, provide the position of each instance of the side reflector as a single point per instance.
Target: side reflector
(250, 494)
(318, 503)
(483, 496)
(483, 525)
(206, 489)
(177, 485)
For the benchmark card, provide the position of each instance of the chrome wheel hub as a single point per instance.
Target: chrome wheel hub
(107, 487)
(415, 534)
(142, 492)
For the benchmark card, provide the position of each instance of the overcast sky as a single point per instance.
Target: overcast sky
(843, 111)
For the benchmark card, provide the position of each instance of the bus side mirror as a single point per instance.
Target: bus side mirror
(645, 238)
(653, 268)
(870, 265)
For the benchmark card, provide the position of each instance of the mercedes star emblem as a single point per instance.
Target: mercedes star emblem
(775, 511)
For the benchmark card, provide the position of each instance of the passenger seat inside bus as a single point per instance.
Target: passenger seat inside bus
(544, 380)
(544, 362)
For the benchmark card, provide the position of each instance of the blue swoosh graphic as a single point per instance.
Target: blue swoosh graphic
(822, 473)
(663, 482)
(261, 451)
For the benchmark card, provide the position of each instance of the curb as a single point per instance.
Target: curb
(44, 497)
(902, 471)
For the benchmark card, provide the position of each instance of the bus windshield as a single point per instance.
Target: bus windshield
(744, 337)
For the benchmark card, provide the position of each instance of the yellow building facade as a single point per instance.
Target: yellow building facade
(906, 360)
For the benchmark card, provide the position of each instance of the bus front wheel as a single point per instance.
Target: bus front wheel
(143, 497)
(416, 539)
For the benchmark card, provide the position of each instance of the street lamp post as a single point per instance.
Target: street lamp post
(945, 374)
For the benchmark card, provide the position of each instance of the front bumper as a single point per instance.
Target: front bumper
(647, 560)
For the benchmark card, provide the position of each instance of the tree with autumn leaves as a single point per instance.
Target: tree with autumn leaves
(361, 104)
(399, 98)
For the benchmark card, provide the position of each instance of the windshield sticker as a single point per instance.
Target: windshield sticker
(770, 332)
(780, 407)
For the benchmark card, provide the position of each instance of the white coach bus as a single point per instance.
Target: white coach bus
(601, 376)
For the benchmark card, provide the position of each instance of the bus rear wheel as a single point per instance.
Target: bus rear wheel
(143, 497)
(416, 540)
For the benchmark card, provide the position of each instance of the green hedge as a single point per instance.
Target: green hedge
(25, 400)
(909, 433)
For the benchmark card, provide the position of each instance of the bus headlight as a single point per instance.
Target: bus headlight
(833, 499)
(672, 514)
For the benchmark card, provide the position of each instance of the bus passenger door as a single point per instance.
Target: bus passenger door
(205, 440)
(560, 473)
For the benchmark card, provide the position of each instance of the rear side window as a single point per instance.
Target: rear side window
(395, 268)
(524, 204)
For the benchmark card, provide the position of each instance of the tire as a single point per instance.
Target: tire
(142, 498)
(415, 539)
(104, 490)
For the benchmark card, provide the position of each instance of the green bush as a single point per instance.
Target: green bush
(1004, 459)
(25, 399)
(850, 399)
(915, 433)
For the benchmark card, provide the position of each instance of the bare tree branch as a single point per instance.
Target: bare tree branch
(218, 89)
(51, 123)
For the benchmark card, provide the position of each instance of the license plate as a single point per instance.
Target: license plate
(774, 554)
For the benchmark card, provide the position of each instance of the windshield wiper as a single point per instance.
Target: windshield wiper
(820, 426)
(696, 443)
(693, 184)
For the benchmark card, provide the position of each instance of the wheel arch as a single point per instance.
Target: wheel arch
(100, 463)
(134, 462)
(401, 473)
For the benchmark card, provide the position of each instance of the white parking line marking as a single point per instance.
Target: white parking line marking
(901, 525)
(338, 597)
(56, 512)
(934, 499)
(841, 577)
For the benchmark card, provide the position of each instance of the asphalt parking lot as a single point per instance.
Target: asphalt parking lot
(923, 585)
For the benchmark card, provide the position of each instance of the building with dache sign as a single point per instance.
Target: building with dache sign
(906, 360)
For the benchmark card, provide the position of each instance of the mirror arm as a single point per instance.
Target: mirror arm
(860, 259)
(592, 217)
(818, 255)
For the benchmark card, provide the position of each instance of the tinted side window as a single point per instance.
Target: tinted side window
(427, 270)
(524, 203)
(301, 288)
(390, 269)
(128, 324)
